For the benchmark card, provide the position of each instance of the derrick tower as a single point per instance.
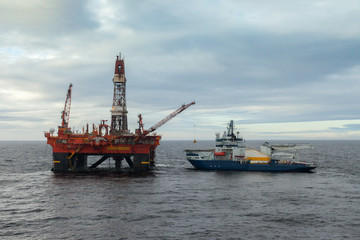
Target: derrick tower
(119, 123)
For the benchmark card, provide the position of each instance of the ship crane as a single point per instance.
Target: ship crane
(65, 115)
(163, 121)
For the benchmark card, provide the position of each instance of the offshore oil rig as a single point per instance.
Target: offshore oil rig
(71, 150)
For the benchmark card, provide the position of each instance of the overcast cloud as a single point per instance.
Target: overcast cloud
(279, 69)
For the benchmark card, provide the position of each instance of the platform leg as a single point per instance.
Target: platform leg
(117, 163)
(141, 162)
(152, 158)
(80, 162)
(60, 162)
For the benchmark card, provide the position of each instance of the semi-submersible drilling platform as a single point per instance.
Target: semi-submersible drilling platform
(71, 150)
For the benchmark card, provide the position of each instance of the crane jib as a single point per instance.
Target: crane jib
(169, 117)
(66, 113)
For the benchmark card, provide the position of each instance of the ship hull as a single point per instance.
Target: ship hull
(228, 165)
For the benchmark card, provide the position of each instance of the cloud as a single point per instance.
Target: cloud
(45, 18)
(254, 62)
(347, 128)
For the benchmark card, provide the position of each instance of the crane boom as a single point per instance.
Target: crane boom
(169, 117)
(66, 113)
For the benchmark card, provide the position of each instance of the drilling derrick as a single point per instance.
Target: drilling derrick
(118, 111)
(71, 149)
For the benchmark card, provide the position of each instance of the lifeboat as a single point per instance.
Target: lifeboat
(219, 153)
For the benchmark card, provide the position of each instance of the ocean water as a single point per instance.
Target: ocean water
(174, 201)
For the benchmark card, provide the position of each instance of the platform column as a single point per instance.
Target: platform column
(152, 157)
(60, 162)
(141, 162)
(80, 162)
(117, 163)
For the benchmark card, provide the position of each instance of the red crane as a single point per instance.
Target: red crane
(163, 121)
(66, 113)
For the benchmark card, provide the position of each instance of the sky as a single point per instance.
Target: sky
(280, 69)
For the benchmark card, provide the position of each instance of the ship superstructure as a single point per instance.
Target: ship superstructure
(71, 149)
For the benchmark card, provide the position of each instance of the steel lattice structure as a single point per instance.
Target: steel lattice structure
(119, 123)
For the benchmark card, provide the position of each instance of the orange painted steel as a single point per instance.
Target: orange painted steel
(118, 142)
(95, 144)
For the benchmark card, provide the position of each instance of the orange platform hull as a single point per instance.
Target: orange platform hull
(70, 150)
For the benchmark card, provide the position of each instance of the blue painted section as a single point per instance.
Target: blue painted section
(229, 165)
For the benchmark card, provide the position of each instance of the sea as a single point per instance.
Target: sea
(174, 201)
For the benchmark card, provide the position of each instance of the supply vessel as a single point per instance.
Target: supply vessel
(115, 141)
(231, 153)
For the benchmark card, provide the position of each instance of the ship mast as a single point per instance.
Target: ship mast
(230, 128)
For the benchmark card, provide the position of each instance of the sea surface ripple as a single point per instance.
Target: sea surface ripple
(174, 201)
